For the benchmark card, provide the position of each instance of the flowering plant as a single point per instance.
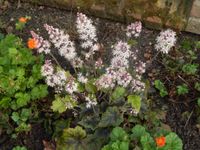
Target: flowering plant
(90, 79)
(22, 22)
(101, 94)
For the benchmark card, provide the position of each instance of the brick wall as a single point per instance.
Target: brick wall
(178, 14)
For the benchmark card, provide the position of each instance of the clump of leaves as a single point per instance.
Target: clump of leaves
(182, 89)
(20, 84)
(119, 140)
(72, 138)
(142, 139)
(190, 69)
(19, 148)
(161, 87)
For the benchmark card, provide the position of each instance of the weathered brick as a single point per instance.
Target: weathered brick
(193, 25)
(195, 12)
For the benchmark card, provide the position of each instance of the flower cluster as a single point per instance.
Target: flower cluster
(42, 45)
(87, 32)
(121, 55)
(53, 79)
(71, 86)
(134, 29)
(117, 72)
(81, 78)
(90, 102)
(165, 41)
(62, 42)
(58, 79)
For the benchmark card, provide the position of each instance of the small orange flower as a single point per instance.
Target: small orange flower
(160, 141)
(23, 20)
(32, 43)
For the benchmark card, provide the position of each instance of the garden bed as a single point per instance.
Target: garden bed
(178, 112)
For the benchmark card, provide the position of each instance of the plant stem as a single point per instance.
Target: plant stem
(54, 58)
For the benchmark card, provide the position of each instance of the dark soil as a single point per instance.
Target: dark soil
(109, 32)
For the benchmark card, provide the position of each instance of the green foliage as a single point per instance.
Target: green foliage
(197, 86)
(135, 102)
(198, 102)
(197, 44)
(90, 122)
(161, 87)
(61, 104)
(19, 148)
(20, 25)
(119, 140)
(111, 117)
(141, 139)
(20, 82)
(72, 139)
(182, 89)
(138, 131)
(173, 142)
(190, 69)
(119, 92)
(90, 87)
(147, 142)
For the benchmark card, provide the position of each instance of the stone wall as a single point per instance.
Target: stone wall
(177, 14)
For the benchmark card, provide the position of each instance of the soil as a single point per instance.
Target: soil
(108, 32)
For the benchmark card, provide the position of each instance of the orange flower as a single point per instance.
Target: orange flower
(32, 43)
(160, 141)
(23, 20)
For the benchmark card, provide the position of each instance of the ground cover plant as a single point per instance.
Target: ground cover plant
(100, 97)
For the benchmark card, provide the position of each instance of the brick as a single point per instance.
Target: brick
(154, 19)
(195, 12)
(193, 25)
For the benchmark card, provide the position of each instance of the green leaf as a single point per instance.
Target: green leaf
(72, 139)
(25, 114)
(118, 133)
(12, 52)
(190, 69)
(58, 105)
(124, 146)
(182, 89)
(147, 142)
(98, 139)
(132, 42)
(90, 87)
(61, 104)
(90, 122)
(198, 44)
(135, 102)
(173, 142)
(19, 148)
(111, 117)
(15, 116)
(39, 91)
(138, 131)
(22, 99)
(119, 92)
(59, 126)
(161, 87)
(198, 102)
(197, 86)
(4, 102)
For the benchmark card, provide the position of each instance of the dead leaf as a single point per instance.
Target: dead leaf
(48, 145)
